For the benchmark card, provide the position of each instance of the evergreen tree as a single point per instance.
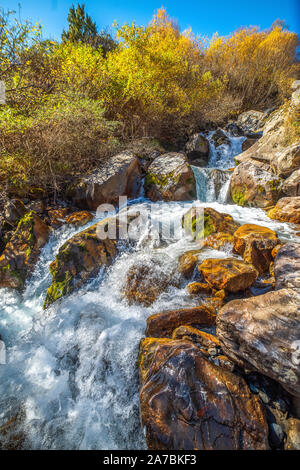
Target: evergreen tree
(83, 29)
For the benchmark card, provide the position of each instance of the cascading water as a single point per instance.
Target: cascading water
(72, 369)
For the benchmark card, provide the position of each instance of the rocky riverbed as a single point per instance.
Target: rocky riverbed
(186, 340)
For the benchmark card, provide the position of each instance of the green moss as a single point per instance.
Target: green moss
(238, 195)
(161, 180)
(58, 289)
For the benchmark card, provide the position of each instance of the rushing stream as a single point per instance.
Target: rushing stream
(73, 368)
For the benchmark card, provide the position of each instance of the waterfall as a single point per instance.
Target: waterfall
(73, 368)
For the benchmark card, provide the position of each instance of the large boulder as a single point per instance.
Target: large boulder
(291, 186)
(262, 333)
(163, 324)
(170, 178)
(21, 252)
(287, 266)
(253, 186)
(287, 209)
(229, 274)
(78, 219)
(119, 176)
(255, 244)
(197, 150)
(80, 258)
(251, 121)
(189, 403)
(274, 151)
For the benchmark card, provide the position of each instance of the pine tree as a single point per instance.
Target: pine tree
(81, 26)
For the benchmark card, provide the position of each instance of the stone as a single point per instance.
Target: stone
(262, 333)
(291, 186)
(287, 209)
(80, 258)
(163, 324)
(145, 282)
(229, 274)
(78, 219)
(248, 143)
(188, 333)
(195, 288)
(187, 263)
(201, 222)
(119, 176)
(251, 121)
(252, 186)
(197, 150)
(170, 178)
(189, 403)
(292, 434)
(286, 160)
(14, 210)
(57, 217)
(287, 266)
(255, 244)
(220, 138)
(21, 252)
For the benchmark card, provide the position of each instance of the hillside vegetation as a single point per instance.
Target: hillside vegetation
(71, 104)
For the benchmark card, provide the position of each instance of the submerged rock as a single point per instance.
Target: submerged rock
(229, 274)
(189, 403)
(119, 176)
(220, 138)
(262, 333)
(145, 282)
(197, 150)
(253, 186)
(287, 209)
(21, 252)
(287, 266)
(163, 324)
(255, 244)
(170, 178)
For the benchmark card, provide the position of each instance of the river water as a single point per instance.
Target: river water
(72, 369)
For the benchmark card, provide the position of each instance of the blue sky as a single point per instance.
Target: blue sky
(204, 16)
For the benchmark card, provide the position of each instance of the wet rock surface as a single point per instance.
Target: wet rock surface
(229, 274)
(189, 403)
(287, 209)
(262, 333)
(197, 150)
(255, 243)
(21, 252)
(170, 178)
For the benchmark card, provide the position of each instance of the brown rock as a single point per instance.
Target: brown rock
(189, 403)
(21, 252)
(262, 333)
(145, 282)
(292, 434)
(187, 263)
(198, 288)
(78, 219)
(188, 333)
(252, 186)
(170, 178)
(197, 150)
(255, 244)
(119, 176)
(287, 266)
(163, 324)
(229, 274)
(287, 209)
(201, 222)
(57, 216)
(291, 186)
